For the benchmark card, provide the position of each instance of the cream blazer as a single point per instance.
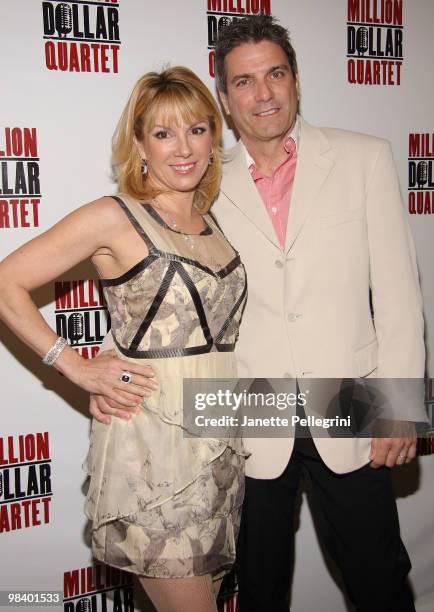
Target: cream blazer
(308, 312)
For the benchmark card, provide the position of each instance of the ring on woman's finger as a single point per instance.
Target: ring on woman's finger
(125, 376)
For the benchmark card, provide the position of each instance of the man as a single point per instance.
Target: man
(317, 218)
(308, 315)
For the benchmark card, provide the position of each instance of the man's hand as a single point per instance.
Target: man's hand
(102, 408)
(394, 443)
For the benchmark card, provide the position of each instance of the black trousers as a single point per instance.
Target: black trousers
(359, 526)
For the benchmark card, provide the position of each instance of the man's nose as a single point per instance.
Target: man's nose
(263, 91)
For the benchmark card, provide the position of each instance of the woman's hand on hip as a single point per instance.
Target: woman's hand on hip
(102, 376)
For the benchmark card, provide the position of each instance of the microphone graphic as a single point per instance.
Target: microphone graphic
(362, 41)
(84, 605)
(223, 23)
(75, 327)
(63, 16)
(422, 173)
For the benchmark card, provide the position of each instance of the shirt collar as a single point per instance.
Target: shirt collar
(294, 133)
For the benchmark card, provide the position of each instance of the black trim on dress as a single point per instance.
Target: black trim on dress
(131, 273)
(153, 309)
(139, 229)
(230, 267)
(174, 352)
(197, 302)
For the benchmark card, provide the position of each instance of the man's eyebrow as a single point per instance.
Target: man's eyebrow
(279, 67)
(247, 75)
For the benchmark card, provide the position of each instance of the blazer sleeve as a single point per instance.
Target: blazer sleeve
(396, 295)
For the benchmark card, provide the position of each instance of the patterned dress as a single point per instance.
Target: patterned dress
(163, 504)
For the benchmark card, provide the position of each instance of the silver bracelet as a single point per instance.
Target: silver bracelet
(54, 351)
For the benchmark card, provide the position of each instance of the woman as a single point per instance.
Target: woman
(162, 505)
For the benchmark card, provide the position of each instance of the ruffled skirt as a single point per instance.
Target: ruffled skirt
(162, 504)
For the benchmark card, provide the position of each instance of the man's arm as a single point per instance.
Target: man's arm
(398, 310)
(396, 295)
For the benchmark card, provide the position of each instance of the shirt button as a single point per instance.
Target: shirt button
(293, 316)
(278, 263)
(274, 210)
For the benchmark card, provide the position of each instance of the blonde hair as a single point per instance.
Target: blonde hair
(173, 94)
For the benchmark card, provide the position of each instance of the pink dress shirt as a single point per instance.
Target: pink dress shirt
(276, 190)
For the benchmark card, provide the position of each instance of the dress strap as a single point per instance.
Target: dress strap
(135, 223)
(216, 224)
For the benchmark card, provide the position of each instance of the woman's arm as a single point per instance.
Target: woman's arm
(75, 238)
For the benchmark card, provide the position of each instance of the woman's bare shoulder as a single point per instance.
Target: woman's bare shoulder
(105, 213)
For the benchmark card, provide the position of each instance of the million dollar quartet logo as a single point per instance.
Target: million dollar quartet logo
(20, 188)
(82, 36)
(374, 42)
(220, 13)
(420, 174)
(81, 315)
(25, 481)
(98, 588)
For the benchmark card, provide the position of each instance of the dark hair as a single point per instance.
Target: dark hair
(251, 29)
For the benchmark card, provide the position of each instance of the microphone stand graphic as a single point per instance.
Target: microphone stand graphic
(63, 17)
(223, 23)
(422, 174)
(75, 327)
(84, 605)
(362, 41)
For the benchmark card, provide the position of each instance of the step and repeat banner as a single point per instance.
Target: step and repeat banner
(67, 71)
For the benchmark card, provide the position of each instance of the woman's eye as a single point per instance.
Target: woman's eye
(161, 134)
(198, 130)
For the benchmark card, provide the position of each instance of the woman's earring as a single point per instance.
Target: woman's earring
(211, 157)
(144, 165)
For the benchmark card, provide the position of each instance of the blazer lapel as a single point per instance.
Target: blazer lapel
(239, 187)
(314, 162)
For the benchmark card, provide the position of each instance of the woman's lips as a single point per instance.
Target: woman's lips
(184, 168)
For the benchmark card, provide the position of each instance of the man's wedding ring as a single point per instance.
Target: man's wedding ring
(126, 377)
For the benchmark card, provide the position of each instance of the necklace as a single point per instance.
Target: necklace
(193, 241)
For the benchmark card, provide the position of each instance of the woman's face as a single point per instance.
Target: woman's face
(177, 155)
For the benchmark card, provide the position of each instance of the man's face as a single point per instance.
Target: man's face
(262, 92)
